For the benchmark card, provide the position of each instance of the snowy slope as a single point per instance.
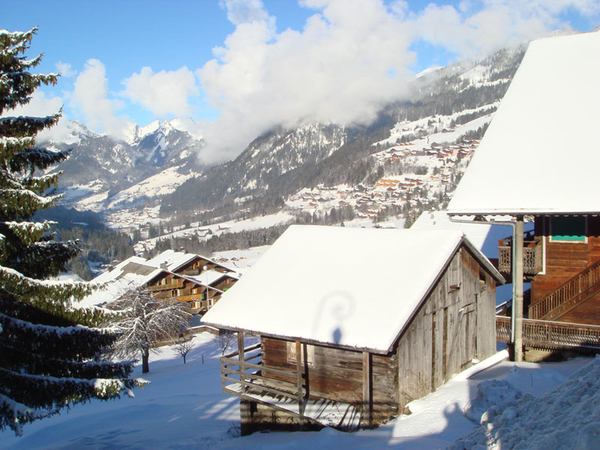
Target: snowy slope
(184, 408)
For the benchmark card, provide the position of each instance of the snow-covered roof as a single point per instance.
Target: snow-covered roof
(541, 151)
(130, 274)
(439, 220)
(118, 270)
(208, 277)
(171, 260)
(351, 287)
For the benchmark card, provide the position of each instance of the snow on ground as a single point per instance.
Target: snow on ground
(162, 183)
(567, 417)
(184, 407)
(232, 226)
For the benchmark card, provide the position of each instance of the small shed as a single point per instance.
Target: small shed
(353, 324)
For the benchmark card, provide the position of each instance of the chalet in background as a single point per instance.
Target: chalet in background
(353, 324)
(196, 280)
(538, 162)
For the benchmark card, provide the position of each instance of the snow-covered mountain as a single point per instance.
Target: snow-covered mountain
(447, 105)
(103, 172)
(156, 169)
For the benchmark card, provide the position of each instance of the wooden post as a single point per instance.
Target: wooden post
(242, 360)
(367, 389)
(299, 378)
(518, 285)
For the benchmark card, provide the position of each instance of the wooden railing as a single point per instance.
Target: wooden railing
(567, 296)
(552, 335)
(532, 255)
(254, 385)
(162, 287)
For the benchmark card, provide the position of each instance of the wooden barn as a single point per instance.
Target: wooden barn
(538, 163)
(343, 327)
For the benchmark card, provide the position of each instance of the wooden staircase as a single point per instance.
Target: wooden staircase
(572, 293)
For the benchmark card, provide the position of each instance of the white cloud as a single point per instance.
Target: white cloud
(244, 11)
(91, 97)
(42, 105)
(478, 27)
(164, 92)
(65, 69)
(337, 68)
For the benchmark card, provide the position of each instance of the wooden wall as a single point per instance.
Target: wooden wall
(337, 374)
(563, 260)
(454, 328)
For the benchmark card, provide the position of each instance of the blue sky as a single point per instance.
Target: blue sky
(238, 67)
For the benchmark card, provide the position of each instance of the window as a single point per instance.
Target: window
(568, 228)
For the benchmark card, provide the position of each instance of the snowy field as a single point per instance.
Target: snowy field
(184, 407)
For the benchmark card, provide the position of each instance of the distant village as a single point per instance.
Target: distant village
(429, 175)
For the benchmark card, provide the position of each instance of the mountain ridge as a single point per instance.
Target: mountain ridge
(158, 166)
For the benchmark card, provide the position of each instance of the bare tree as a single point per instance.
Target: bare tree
(183, 347)
(141, 320)
(225, 338)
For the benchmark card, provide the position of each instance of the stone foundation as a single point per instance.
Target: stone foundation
(259, 417)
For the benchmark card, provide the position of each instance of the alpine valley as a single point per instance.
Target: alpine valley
(385, 173)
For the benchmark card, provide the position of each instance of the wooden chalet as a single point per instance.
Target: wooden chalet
(353, 324)
(188, 264)
(533, 167)
(198, 297)
(190, 278)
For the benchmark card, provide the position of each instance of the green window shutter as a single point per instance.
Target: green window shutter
(568, 228)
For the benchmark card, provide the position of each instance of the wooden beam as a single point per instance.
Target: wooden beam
(518, 283)
(241, 359)
(367, 388)
(299, 378)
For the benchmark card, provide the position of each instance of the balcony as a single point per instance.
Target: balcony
(283, 390)
(532, 255)
(550, 335)
(178, 284)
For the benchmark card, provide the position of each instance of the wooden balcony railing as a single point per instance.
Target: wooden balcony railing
(567, 296)
(532, 255)
(161, 287)
(246, 380)
(552, 335)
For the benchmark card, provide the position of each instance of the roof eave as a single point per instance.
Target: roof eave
(377, 351)
(521, 212)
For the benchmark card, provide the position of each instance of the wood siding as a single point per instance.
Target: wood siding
(454, 327)
(337, 374)
(563, 260)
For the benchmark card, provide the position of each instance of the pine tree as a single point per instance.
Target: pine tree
(50, 356)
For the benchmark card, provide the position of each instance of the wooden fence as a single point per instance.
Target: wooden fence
(549, 335)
